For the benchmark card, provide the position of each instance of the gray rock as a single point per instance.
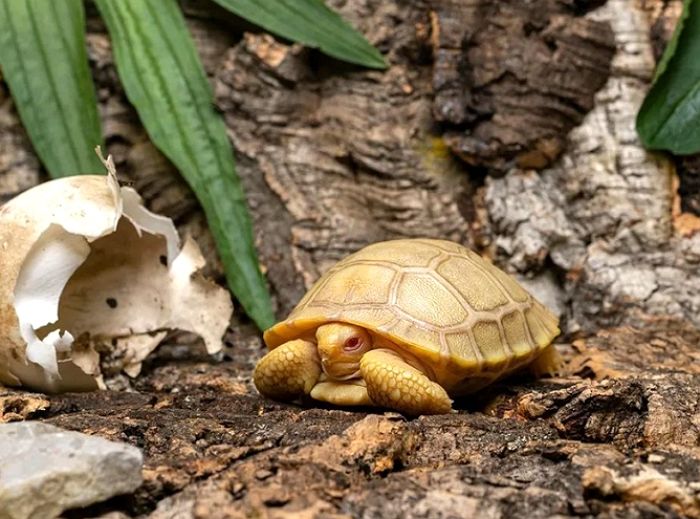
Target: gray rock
(547, 290)
(45, 470)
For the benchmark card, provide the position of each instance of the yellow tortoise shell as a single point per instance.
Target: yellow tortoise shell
(462, 317)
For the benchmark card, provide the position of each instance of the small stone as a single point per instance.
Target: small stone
(263, 474)
(45, 470)
(236, 488)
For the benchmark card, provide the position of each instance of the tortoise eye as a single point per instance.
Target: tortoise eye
(352, 344)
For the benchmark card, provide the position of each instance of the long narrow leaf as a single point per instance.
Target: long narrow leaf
(309, 22)
(43, 60)
(670, 115)
(164, 79)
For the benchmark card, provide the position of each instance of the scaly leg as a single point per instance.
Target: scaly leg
(289, 371)
(548, 363)
(393, 383)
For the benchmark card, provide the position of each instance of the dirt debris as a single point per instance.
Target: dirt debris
(617, 435)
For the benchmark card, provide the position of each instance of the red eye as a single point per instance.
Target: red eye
(352, 344)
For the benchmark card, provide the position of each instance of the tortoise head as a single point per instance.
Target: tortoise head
(341, 346)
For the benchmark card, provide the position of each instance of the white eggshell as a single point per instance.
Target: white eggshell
(83, 264)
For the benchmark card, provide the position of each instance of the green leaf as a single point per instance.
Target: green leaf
(164, 79)
(309, 22)
(43, 60)
(669, 118)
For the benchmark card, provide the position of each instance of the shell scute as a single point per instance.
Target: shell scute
(488, 339)
(539, 325)
(462, 345)
(404, 253)
(514, 290)
(514, 327)
(478, 289)
(358, 284)
(425, 299)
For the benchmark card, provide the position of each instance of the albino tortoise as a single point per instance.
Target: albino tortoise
(403, 324)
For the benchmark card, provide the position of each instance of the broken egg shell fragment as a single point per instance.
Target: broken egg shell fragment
(83, 262)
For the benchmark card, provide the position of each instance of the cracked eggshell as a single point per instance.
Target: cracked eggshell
(85, 267)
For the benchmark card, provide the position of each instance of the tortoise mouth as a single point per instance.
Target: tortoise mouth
(340, 370)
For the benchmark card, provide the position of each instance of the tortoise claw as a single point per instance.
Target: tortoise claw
(289, 371)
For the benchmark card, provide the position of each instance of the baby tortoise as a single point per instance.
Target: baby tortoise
(403, 324)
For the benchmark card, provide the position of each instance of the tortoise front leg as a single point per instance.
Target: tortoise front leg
(289, 371)
(393, 383)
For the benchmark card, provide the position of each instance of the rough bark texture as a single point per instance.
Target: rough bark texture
(512, 78)
(334, 157)
(19, 167)
(689, 189)
(602, 215)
